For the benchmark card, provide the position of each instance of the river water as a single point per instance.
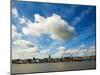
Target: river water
(50, 67)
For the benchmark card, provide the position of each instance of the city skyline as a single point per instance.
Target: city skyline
(40, 29)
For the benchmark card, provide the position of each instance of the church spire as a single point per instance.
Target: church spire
(49, 56)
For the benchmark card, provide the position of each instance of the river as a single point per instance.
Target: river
(50, 67)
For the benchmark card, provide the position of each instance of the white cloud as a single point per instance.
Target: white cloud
(92, 50)
(24, 53)
(15, 33)
(81, 52)
(58, 55)
(61, 48)
(13, 27)
(15, 12)
(43, 54)
(30, 53)
(75, 52)
(23, 43)
(54, 26)
(62, 51)
(22, 20)
(39, 18)
(77, 19)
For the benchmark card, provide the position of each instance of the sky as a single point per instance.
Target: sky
(40, 29)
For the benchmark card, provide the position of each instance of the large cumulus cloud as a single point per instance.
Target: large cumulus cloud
(54, 26)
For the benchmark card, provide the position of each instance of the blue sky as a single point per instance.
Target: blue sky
(39, 29)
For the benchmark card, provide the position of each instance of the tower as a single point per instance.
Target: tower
(49, 58)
